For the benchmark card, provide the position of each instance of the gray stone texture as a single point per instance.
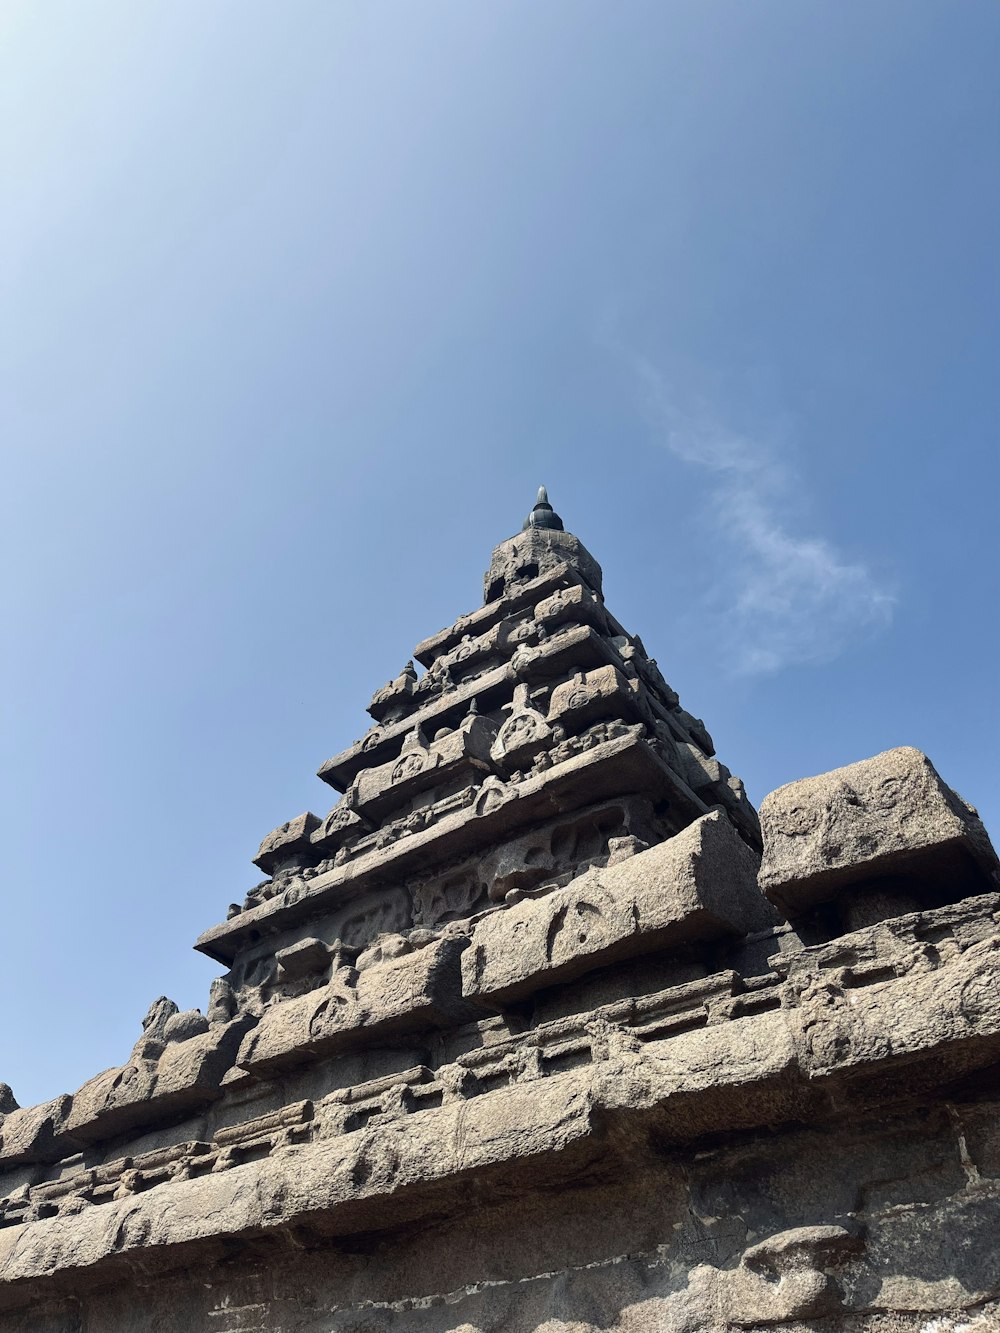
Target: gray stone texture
(889, 816)
(697, 885)
(540, 1029)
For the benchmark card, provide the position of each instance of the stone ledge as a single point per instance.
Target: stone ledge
(748, 1072)
(616, 767)
(697, 885)
(417, 991)
(139, 1095)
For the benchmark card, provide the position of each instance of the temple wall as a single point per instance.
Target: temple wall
(888, 1224)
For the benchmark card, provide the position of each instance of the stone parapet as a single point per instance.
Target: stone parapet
(889, 817)
(731, 1075)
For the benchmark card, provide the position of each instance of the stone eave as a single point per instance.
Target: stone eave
(485, 617)
(617, 767)
(579, 646)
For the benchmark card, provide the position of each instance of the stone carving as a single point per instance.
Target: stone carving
(192, 1058)
(422, 766)
(34, 1133)
(574, 605)
(287, 844)
(887, 816)
(338, 827)
(419, 989)
(393, 701)
(375, 915)
(222, 1001)
(673, 891)
(305, 958)
(523, 631)
(594, 694)
(524, 734)
(612, 1041)
(824, 1021)
(492, 794)
(582, 923)
(154, 1029)
(521, 983)
(790, 1275)
(450, 896)
(383, 949)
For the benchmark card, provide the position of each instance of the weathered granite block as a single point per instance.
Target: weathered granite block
(34, 1133)
(888, 816)
(286, 843)
(575, 605)
(418, 990)
(145, 1092)
(723, 1077)
(949, 1015)
(699, 884)
(912, 942)
(339, 825)
(592, 694)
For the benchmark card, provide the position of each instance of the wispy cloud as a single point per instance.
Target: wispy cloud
(783, 599)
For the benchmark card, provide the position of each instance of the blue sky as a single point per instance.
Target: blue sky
(301, 303)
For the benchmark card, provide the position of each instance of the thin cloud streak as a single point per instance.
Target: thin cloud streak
(781, 600)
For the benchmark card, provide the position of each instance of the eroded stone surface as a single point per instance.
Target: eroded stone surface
(415, 990)
(699, 884)
(888, 816)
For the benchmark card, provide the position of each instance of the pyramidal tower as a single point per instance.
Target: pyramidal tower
(540, 742)
(539, 1027)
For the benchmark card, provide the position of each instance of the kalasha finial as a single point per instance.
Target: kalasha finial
(543, 515)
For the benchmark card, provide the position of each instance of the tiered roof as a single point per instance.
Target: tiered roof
(540, 732)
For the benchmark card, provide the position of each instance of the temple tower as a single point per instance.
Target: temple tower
(539, 1028)
(539, 742)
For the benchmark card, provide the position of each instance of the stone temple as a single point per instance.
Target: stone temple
(540, 1028)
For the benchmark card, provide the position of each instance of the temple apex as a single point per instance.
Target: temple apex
(543, 515)
(541, 545)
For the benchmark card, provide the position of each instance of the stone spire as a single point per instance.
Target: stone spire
(541, 546)
(543, 515)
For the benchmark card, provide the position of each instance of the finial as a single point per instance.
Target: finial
(543, 515)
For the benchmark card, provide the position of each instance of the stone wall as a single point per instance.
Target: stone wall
(884, 1223)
